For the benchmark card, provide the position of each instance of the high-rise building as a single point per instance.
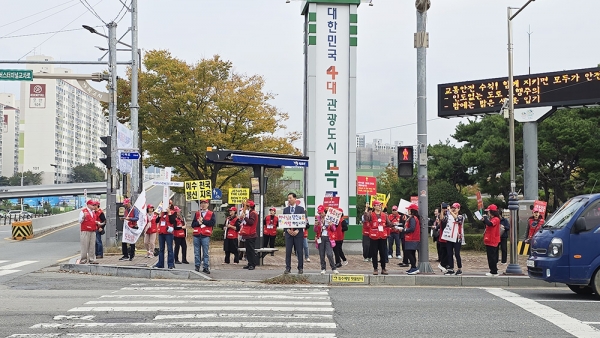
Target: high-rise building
(9, 137)
(377, 155)
(62, 125)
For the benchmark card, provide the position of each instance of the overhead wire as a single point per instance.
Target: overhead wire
(399, 126)
(32, 15)
(44, 33)
(61, 30)
(126, 8)
(91, 9)
(44, 18)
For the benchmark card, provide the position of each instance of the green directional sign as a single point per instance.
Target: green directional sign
(16, 75)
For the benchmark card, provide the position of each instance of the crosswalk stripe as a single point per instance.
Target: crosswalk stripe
(178, 335)
(225, 291)
(7, 272)
(219, 296)
(200, 309)
(244, 315)
(207, 302)
(1, 262)
(166, 325)
(16, 265)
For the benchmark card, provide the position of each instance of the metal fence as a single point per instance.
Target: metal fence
(9, 218)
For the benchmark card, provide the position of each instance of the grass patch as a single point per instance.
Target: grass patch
(288, 279)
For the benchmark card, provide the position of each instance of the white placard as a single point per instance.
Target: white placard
(292, 221)
(403, 206)
(166, 190)
(333, 216)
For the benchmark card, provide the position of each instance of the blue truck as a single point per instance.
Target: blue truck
(567, 248)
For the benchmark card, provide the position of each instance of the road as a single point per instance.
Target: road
(50, 304)
(21, 257)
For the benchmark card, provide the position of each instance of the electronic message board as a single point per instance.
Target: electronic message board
(566, 88)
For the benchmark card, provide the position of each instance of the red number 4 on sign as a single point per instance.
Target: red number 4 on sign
(331, 71)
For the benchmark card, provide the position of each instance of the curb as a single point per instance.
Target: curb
(46, 230)
(132, 271)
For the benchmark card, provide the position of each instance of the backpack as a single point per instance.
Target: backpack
(504, 224)
(344, 225)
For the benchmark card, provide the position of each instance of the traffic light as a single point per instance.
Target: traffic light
(405, 161)
(106, 150)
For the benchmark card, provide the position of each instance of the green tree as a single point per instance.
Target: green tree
(445, 164)
(185, 108)
(86, 173)
(388, 182)
(29, 178)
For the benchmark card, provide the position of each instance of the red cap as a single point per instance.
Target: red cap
(376, 202)
(413, 207)
(492, 207)
(233, 209)
(176, 209)
(203, 201)
(149, 206)
(395, 207)
(320, 209)
(250, 203)
(536, 209)
(456, 205)
(127, 201)
(272, 209)
(90, 202)
(341, 210)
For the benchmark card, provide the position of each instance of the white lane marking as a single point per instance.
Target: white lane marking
(225, 291)
(244, 315)
(178, 335)
(567, 301)
(7, 272)
(219, 296)
(592, 323)
(573, 326)
(159, 325)
(207, 302)
(16, 265)
(1, 262)
(199, 309)
(80, 317)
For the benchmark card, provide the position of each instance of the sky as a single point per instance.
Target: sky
(468, 40)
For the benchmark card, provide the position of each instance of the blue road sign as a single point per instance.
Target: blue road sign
(130, 156)
(261, 160)
(217, 194)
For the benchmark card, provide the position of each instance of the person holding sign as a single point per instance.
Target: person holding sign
(338, 252)
(270, 225)
(325, 238)
(491, 238)
(248, 232)
(412, 237)
(202, 225)
(179, 235)
(378, 221)
(454, 239)
(130, 219)
(88, 222)
(394, 237)
(231, 228)
(150, 231)
(166, 226)
(294, 237)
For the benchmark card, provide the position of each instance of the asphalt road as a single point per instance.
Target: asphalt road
(21, 257)
(48, 303)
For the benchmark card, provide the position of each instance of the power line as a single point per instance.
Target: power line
(91, 9)
(40, 12)
(44, 18)
(34, 34)
(399, 126)
(61, 30)
(122, 8)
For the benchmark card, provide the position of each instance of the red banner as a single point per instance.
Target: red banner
(541, 205)
(366, 185)
(331, 202)
(414, 199)
(479, 201)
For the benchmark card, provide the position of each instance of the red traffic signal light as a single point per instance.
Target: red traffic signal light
(405, 161)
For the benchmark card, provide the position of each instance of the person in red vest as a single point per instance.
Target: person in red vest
(231, 228)
(87, 236)
(325, 237)
(412, 237)
(203, 224)
(179, 234)
(248, 232)
(150, 231)
(101, 219)
(166, 226)
(394, 236)
(535, 223)
(378, 222)
(491, 238)
(130, 219)
(366, 241)
(270, 224)
(338, 252)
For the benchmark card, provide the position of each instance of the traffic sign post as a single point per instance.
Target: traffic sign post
(16, 75)
(130, 156)
(217, 194)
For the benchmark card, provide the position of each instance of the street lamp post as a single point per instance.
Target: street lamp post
(513, 268)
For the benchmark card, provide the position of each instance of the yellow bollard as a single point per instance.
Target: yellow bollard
(22, 230)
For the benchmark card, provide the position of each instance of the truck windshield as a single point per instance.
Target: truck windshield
(561, 217)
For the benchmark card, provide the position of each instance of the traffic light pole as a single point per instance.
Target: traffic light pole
(136, 187)
(111, 177)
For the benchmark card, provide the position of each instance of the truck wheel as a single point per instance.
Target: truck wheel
(596, 283)
(581, 289)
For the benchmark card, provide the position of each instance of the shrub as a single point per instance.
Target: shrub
(474, 242)
(217, 234)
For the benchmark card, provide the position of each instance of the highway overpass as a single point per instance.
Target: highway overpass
(52, 190)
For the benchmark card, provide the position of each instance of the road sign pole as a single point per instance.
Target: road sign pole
(112, 178)
(136, 170)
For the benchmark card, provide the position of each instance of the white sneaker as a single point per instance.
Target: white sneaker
(322, 272)
(336, 272)
(443, 269)
(365, 260)
(399, 257)
(489, 274)
(307, 259)
(370, 259)
(389, 256)
(345, 263)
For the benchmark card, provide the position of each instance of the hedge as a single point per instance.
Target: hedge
(217, 235)
(474, 242)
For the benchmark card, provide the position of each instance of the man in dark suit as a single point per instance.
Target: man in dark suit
(294, 238)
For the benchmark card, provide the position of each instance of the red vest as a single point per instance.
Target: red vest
(375, 232)
(491, 236)
(394, 219)
(366, 228)
(331, 231)
(231, 233)
(89, 221)
(131, 224)
(414, 236)
(339, 233)
(163, 224)
(203, 230)
(271, 223)
(536, 228)
(250, 230)
(152, 226)
(181, 232)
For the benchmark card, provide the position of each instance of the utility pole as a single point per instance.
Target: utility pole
(136, 170)
(421, 44)
(112, 180)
